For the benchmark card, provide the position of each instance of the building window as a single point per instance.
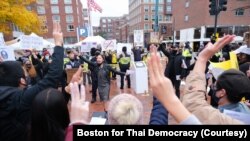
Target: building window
(54, 1)
(146, 17)
(54, 9)
(40, 9)
(56, 18)
(104, 26)
(160, 1)
(197, 33)
(68, 1)
(85, 13)
(40, 1)
(169, 1)
(186, 18)
(146, 26)
(169, 8)
(153, 17)
(153, 8)
(109, 20)
(68, 9)
(160, 8)
(146, 8)
(168, 18)
(239, 12)
(146, 1)
(160, 18)
(69, 18)
(103, 20)
(187, 4)
(70, 28)
(177, 36)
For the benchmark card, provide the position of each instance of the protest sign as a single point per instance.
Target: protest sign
(109, 45)
(7, 53)
(138, 38)
(86, 46)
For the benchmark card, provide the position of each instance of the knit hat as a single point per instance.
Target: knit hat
(10, 73)
(125, 109)
(236, 84)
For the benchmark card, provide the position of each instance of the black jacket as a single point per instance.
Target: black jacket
(15, 104)
(106, 67)
(173, 67)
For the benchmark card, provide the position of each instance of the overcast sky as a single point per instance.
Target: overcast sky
(111, 8)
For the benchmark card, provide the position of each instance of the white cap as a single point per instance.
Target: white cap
(239, 50)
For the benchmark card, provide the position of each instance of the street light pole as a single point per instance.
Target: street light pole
(156, 25)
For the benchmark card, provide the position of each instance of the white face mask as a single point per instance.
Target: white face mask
(47, 57)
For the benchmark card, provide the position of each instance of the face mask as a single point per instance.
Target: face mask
(174, 51)
(47, 57)
(215, 98)
(72, 60)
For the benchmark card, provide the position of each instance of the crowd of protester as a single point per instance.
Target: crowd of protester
(32, 106)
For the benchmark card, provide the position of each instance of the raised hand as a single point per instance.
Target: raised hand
(161, 86)
(79, 112)
(57, 34)
(211, 49)
(77, 77)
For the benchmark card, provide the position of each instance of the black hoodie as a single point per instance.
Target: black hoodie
(15, 104)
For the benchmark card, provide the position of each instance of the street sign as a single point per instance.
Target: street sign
(83, 32)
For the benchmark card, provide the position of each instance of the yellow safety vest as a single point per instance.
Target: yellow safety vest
(114, 59)
(124, 60)
(186, 53)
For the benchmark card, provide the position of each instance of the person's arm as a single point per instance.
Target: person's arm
(54, 72)
(115, 71)
(163, 89)
(87, 61)
(195, 90)
(165, 52)
(79, 110)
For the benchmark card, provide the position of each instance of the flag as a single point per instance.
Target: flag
(92, 5)
(218, 68)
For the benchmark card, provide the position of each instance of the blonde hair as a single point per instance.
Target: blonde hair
(125, 109)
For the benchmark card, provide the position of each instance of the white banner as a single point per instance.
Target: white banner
(138, 38)
(86, 47)
(7, 53)
(31, 42)
(2, 43)
(109, 45)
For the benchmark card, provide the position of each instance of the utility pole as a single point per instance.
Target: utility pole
(156, 25)
(216, 6)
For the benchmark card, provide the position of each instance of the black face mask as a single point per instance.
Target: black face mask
(215, 98)
(72, 60)
(174, 51)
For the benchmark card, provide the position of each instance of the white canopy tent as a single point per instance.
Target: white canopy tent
(97, 39)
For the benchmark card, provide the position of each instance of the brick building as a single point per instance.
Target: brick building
(194, 23)
(142, 16)
(113, 27)
(68, 12)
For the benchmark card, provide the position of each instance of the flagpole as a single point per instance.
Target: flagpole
(89, 23)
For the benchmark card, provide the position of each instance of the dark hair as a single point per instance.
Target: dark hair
(50, 116)
(92, 51)
(124, 49)
(10, 73)
(235, 83)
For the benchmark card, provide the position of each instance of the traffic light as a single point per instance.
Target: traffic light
(222, 5)
(213, 7)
